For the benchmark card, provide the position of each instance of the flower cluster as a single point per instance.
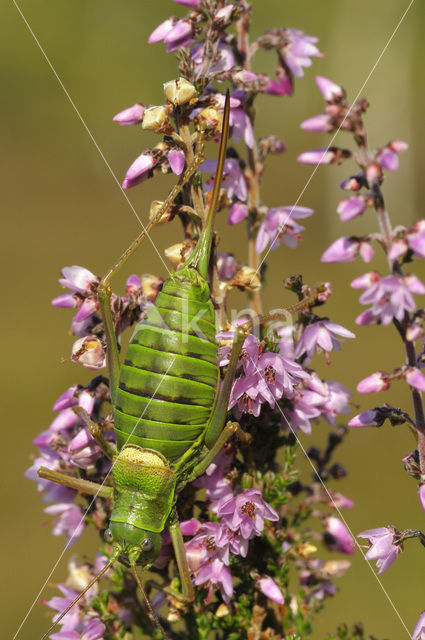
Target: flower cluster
(390, 298)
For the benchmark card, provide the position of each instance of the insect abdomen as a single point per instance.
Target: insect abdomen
(169, 380)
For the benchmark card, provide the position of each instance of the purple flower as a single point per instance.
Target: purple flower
(246, 512)
(351, 207)
(131, 115)
(216, 574)
(238, 212)
(280, 374)
(226, 266)
(84, 450)
(245, 396)
(233, 180)
(279, 226)
(369, 418)
(204, 546)
(391, 297)
(176, 159)
(189, 3)
(338, 538)
(66, 399)
(378, 381)
(304, 407)
(270, 589)
(421, 493)
(415, 378)
(214, 481)
(321, 335)
(320, 124)
(78, 279)
(162, 30)
(335, 402)
(69, 522)
(384, 546)
(94, 630)
(346, 249)
(331, 91)
(299, 50)
(416, 239)
(225, 60)
(241, 126)
(317, 156)
(419, 630)
(139, 170)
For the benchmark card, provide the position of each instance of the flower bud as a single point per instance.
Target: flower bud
(179, 91)
(166, 216)
(374, 174)
(337, 536)
(247, 278)
(372, 418)
(329, 90)
(156, 119)
(89, 352)
(415, 378)
(350, 208)
(176, 160)
(354, 183)
(319, 124)
(177, 254)
(132, 115)
(151, 286)
(336, 568)
(270, 589)
(378, 381)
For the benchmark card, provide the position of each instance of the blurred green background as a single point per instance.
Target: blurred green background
(62, 207)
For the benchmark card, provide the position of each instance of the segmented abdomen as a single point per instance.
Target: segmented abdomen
(169, 380)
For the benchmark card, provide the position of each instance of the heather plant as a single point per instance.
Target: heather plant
(254, 526)
(390, 297)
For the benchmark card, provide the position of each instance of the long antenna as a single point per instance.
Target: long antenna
(200, 256)
(151, 612)
(80, 595)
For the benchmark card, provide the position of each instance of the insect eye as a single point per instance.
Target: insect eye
(108, 536)
(147, 544)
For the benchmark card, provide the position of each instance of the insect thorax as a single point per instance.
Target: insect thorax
(144, 487)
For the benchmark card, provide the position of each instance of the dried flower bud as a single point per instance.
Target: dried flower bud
(412, 464)
(79, 576)
(150, 286)
(336, 568)
(156, 119)
(177, 254)
(211, 120)
(179, 91)
(166, 216)
(305, 549)
(374, 174)
(222, 611)
(247, 278)
(89, 352)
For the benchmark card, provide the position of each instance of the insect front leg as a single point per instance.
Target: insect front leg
(105, 292)
(82, 486)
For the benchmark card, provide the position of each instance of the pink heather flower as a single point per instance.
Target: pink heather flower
(280, 374)
(391, 297)
(270, 589)
(131, 115)
(238, 212)
(351, 207)
(369, 418)
(69, 520)
(317, 156)
(245, 397)
(226, 266)
(78, 279)
(139, 170)
(204, 546)
(304, 408)
(89, 352)
(246, 512)
(162, 31)
(397, 248)
(66, 399)
(384, 547)
(233, 180)
(84, 450)
(66, 301)
(299, 50)
(133, 285)
(321, 335)
(419, 630)
(320, 124)
(376, 382)
(214, 481)
(421, 493)
(72, 619)
(338, 537)
(335, 402)
(189, 3)
(225, 59)
(331, 91)
(216, 574)
(88, 308)
(279, 226)
(176, 159)
(416, 238)
(348, 248)
(415, 378)
(64, 420)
